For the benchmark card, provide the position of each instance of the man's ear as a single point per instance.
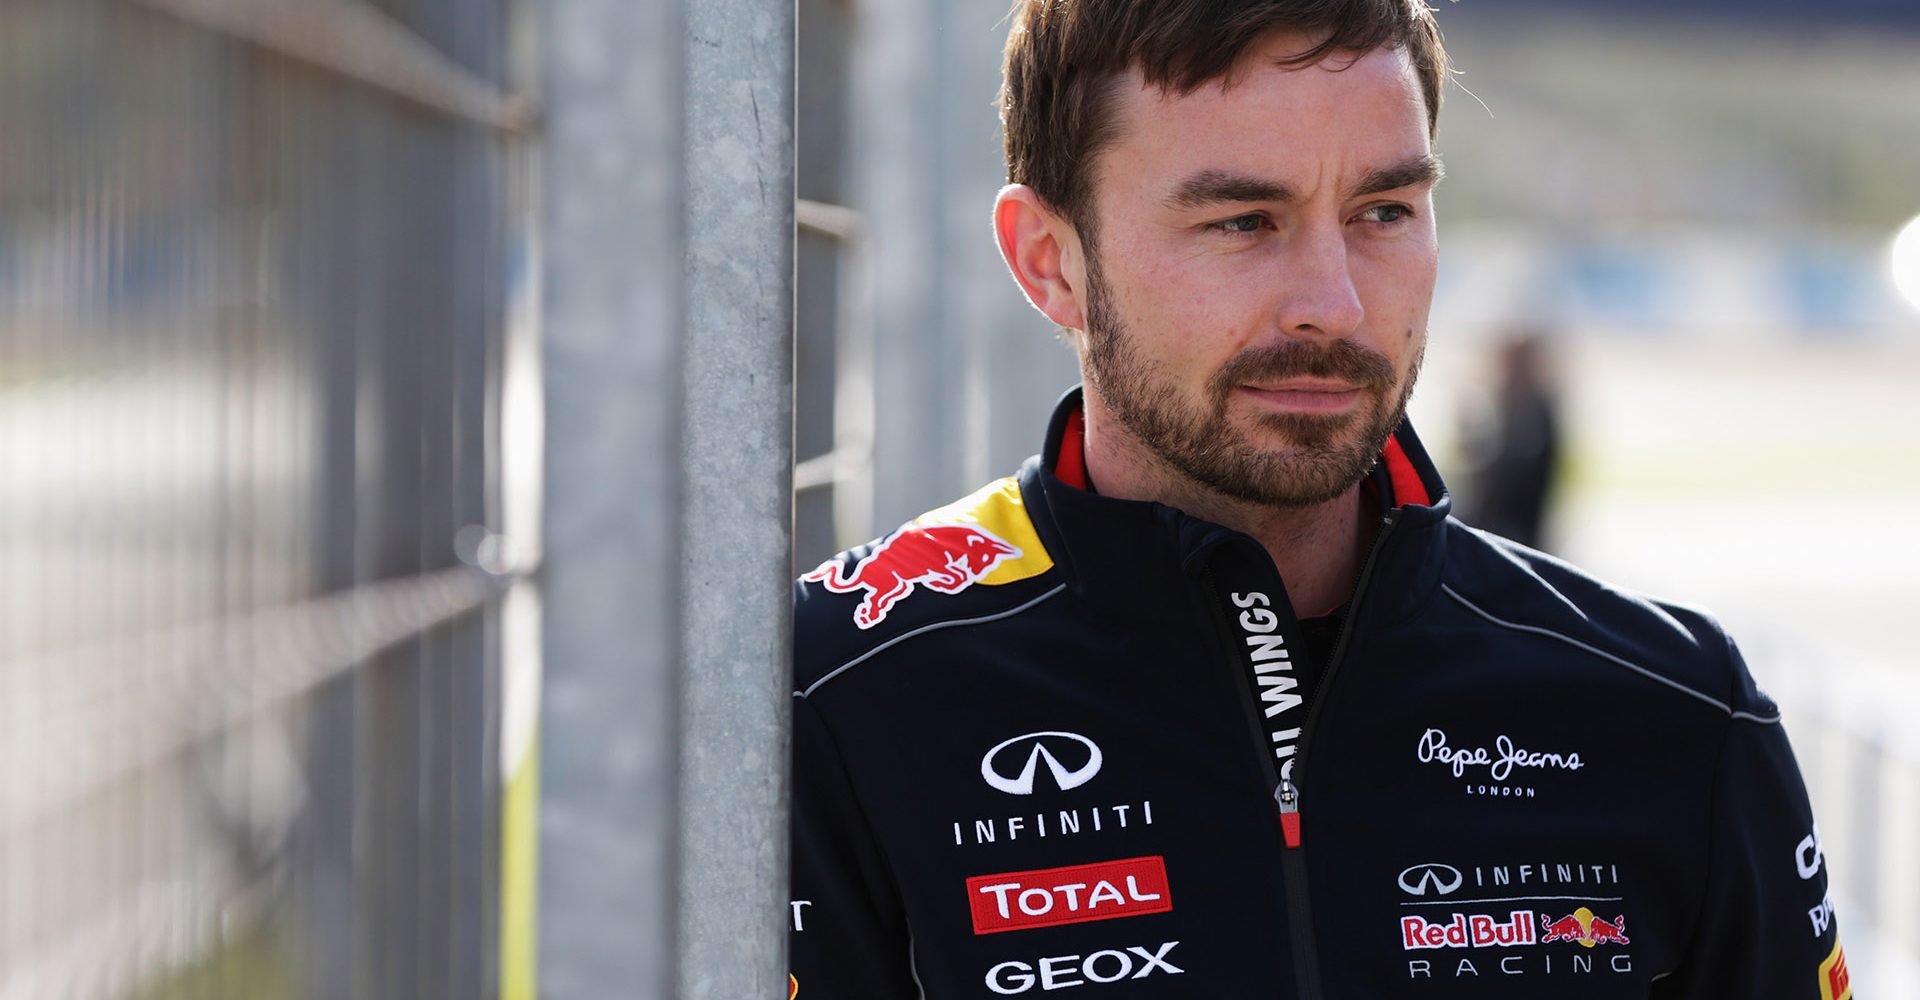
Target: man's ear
(1042, 249)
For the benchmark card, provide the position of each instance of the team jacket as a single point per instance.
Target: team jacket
(1048, 742)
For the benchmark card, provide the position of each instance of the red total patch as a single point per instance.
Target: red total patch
(1049, 897)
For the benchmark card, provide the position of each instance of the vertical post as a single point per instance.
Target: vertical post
(738, 459)
(668, 189)
(612, 196)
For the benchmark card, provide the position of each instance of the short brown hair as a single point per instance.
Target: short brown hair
(1063, 57)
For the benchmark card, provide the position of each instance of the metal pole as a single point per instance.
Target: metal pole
(738, 456)
(612, 194)
(669, 206)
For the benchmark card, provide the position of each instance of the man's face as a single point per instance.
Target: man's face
(1260, 268)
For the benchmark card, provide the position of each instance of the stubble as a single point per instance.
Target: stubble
(1298, 460)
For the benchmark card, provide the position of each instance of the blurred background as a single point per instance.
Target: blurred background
(345, 376)
(259, 272)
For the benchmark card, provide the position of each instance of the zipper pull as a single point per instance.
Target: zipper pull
(1288, 797)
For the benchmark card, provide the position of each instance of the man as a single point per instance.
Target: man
(1212, 699)
(1513, 452)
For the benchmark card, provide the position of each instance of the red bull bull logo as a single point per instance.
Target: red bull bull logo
(947, 558)
(1583, 927)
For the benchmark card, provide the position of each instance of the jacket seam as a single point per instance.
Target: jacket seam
(913, 963)
(878, 846)
(922, 630)
(1702, 908)
(1731, 712)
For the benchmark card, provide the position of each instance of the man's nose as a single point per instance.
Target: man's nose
(1316, 282)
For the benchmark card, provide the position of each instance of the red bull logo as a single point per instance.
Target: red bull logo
(947, 558)
(1476, 930)
(1582, 926)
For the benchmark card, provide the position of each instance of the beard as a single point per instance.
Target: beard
(1324, 455)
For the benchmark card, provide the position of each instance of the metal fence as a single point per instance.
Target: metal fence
(256, 261)
(1861, 760)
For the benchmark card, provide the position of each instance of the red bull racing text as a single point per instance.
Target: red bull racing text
(1468, 931)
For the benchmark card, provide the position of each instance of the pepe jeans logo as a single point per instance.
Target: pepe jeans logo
(1500, 762)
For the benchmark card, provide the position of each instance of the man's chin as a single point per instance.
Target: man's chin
(1280, 476)
(1288, 460)
(1302, 434)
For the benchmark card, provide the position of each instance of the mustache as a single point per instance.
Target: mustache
(1335, 359)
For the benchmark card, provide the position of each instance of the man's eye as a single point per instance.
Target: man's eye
(1242, 224)
(1387, 213)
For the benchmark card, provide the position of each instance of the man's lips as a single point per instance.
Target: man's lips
(1307, 395)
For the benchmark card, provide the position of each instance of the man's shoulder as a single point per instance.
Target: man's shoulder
(969, 562)
(1678, 647)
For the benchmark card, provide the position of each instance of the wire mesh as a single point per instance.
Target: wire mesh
(252, 301)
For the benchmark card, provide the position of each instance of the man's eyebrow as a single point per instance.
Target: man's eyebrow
(1422, 169)
(1212, 187)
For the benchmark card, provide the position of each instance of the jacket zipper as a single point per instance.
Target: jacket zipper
(1286, 792)
(1388, 522)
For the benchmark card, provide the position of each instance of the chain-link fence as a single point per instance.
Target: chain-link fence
(256, 261)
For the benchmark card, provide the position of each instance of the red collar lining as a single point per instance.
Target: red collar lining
(1070, 464)
(1407, 487)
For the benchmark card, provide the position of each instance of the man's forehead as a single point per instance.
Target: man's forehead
(1264, 77)
(1366, 108)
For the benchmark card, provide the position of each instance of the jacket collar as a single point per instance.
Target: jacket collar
(1127, 556)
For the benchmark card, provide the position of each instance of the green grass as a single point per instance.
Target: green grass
(250, 964)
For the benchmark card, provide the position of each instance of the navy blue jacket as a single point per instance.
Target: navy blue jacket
(1047, 740)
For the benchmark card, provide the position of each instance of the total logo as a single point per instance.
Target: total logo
(1059, 972)
(1013, 901)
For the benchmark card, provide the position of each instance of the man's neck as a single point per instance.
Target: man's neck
(1318, 549)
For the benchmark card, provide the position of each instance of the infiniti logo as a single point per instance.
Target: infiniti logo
(1034, 748)
(1442, 879)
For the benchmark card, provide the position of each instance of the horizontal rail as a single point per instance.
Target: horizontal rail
(837, 221)
(837, 466)
(355, 40)
(200, 679)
